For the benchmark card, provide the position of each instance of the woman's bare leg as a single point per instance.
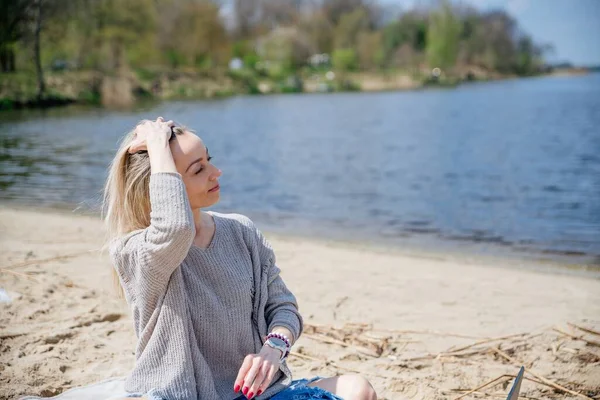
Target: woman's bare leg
(348, 387)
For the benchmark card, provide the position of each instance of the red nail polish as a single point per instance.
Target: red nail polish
(245, 390)
(236, 388)
(250, 395)
(259, 392)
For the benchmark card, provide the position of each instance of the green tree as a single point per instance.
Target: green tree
(14, 16)
(286, 47)
(345, 60)
(38, 10)
(334, 10)
(405, 36)
(319, 31)
(121, 26)
(443, 36)
(497, 33)
(529, 56)
(349, 27)
(369, 50)
(199, 35)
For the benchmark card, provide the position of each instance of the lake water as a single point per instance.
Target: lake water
(511, 166)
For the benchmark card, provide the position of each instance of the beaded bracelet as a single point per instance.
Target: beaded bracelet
(282, 337)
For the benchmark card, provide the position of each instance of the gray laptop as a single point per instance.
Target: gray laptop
(516, 387)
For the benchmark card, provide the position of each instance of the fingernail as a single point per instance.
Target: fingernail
(245, 390)
(259, 392)
(250, 395)
(236, 388)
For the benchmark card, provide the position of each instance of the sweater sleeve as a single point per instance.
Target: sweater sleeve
(145, 259)
(282, 307)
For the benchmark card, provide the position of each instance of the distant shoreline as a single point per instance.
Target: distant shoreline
(571, 72)
(94, 88)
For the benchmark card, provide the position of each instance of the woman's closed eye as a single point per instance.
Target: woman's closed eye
(202, 169)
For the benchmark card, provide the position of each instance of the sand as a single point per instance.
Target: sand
(397, 318)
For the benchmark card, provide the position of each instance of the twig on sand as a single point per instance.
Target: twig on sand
(583, 328)
(546, 381)
(460, 352)
(495, 380)
(45, 260)
(394, 331)
(476, 390)
(304, 356)
(27, 276)
(540, 380)
(591, 342)
(333, 364)
(499, 396)
(340, 301)
(338, 304)
(5, 336)
(442, 355)
(489, 341)
(428, 332)
(325, 339)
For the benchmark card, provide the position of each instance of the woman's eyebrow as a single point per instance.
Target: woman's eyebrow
(193, 162)
(198, 160)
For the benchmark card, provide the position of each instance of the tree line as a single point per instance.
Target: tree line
(281, 36)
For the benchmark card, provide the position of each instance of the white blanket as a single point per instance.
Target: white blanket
(110, 388)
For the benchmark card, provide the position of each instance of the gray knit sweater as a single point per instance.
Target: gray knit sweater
(198, 312)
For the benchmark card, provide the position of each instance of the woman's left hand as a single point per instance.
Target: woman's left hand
(257, 372)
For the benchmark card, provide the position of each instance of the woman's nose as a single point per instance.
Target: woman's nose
(216, 174)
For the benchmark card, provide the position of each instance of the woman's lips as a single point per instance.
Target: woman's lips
(216, 188)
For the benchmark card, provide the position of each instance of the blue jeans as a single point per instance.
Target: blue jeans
(298, 390)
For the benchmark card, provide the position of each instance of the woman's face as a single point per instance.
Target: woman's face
(199, 175)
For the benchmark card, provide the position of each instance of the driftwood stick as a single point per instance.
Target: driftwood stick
(498, 396)
(304, 356)
(45, 260)
(340, 301)
(333, 364)
(458, 353)
(8, 271)
(427, 332)
(583, 328)
(439, 355)
(11, 335)
(345, 368)
(487, 341)
(325, 339)
(495, 380)
(398, 332)
(541, 378)
(591, 342)
(526, 378)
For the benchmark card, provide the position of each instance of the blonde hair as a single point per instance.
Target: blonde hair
(126, 200)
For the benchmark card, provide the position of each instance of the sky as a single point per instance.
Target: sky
(572, 26)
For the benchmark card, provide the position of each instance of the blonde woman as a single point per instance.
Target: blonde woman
(214, 319)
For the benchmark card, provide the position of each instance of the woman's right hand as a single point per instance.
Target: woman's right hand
(149, 134)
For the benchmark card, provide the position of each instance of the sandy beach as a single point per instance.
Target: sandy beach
(418, 327)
